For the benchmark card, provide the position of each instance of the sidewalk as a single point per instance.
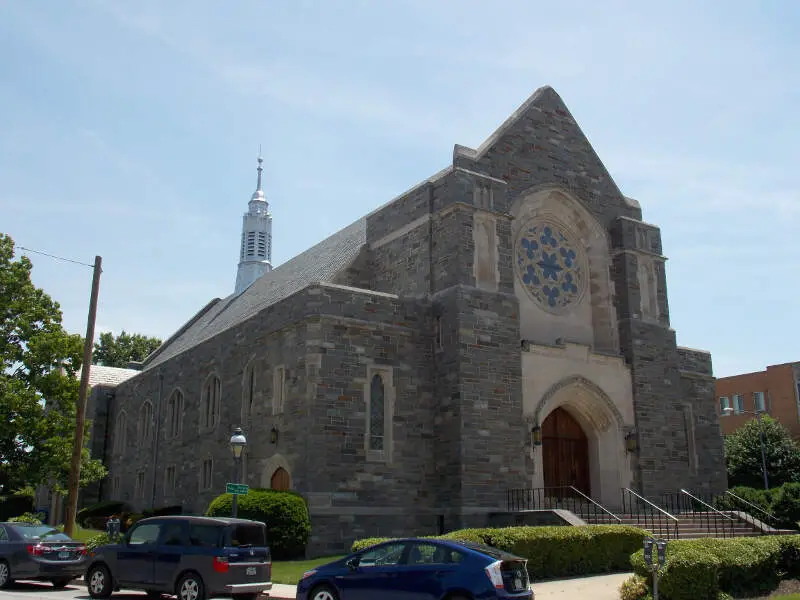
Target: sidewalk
(598, 587)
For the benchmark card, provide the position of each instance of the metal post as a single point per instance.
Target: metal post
(235, 503)
(73, 483)
(655, 584)
(763, 451)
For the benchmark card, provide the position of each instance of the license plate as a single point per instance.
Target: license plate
(63, 555)
(251, 571)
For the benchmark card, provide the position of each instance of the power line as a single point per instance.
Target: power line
(77, 262)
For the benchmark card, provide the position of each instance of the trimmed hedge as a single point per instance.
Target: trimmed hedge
(783, 502)
(709, 569)
(284, 513)
(95, 515)
(555, 551)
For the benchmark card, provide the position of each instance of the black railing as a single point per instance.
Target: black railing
(648, 515)
(703, 514)
(561, 498)
(725, 502)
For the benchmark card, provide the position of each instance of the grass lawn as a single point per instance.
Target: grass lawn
(82, 535)
(789, 597)
(289, 572)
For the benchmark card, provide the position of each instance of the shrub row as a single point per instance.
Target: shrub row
(710, 569)
(96, 515)
(284, 513)
(782, 502)
(555, 551)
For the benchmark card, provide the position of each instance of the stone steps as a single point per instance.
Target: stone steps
(694, 526)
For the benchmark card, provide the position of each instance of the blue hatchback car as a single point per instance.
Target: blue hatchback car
(420, 569)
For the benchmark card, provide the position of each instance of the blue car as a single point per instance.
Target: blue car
(420, 569)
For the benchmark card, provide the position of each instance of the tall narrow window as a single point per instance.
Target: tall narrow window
(377, 411)
(278, 390)
(140, 484)
(209, 416)
(758, 402)
(207, 474)
(169, 480)
(738, 404)
(251, 243)
(145, 423)
(438, 334)
(121, 433)
(689, 431)
(262, 244)
(174, 415)
(115, 487)
(248, 392)
(724, 403)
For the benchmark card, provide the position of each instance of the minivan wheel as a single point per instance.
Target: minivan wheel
(323, 592)
(5, 574)
(190, 587)
(98, 582)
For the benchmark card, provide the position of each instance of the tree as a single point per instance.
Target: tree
(118, 351)
(38, 383)
(743, 454)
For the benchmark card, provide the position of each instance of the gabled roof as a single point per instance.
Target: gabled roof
(320, 263)
(100, 375)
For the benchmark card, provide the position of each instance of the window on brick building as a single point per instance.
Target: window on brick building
(724, 403)
(174, 415)
(121, 433)
(207, 474)
(738, 404)
(209, 413)
(278, 390)
(145, 423)
(758, 402)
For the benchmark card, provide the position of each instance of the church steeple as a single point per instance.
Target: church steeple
(255, 254)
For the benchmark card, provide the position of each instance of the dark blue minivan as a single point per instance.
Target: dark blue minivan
(193, 558)
(420, 569)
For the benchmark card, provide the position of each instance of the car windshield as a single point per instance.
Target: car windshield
(41, 532)
(248, 535)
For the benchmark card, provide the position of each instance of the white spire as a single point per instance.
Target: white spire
(255, 255)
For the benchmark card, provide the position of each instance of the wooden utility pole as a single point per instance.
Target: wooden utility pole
(80, 421)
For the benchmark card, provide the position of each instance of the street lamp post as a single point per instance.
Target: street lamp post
(729, 411)
(238, 443)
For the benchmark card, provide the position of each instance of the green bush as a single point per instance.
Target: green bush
(95, 516)
(555, 551)
(635, 588)
(786, 505)
(703, 569)
(33, 519)
(782, 502)
(15, 505)
(284, 513)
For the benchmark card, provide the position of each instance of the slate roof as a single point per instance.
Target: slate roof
(100, 375)
(320, 263)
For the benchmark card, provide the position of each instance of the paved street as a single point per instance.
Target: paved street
(602, 587)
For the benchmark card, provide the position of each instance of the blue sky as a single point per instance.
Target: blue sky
(130, 130)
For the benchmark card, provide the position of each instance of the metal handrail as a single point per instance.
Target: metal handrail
(756, 506)
(597, 504)
(658, 508)
(706, 504)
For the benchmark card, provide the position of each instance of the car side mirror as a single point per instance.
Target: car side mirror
(352, 564)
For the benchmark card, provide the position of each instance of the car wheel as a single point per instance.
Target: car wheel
(322, 592)
(5, 574)
(61, 582)
(98, 582)
(191, 587)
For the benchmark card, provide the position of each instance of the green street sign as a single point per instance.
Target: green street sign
(236, 488)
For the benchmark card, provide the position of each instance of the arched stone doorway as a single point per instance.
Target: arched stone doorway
(280, 480)
(565, 452)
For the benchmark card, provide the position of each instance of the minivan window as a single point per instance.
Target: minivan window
(203, 535)
(248, 535)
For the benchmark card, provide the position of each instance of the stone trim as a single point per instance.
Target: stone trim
(272, 464)
(481, 175)
(578, 380)
(278, 384)
(636, 251)
(347, 288)
(400, 232)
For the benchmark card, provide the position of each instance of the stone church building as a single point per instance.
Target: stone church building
(503, 324)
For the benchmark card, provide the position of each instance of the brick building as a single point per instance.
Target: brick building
(400, 373)
(775, 390)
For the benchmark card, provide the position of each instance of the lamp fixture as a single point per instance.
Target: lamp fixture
(273, 435)
(536, 433)
(631, 443)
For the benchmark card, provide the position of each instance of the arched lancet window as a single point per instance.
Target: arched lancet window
(209, 416)
(145, 422)
(377, 411)
(248, 392)
(121, 433)
(174, 415)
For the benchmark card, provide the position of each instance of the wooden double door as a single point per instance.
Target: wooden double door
(565, 452)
